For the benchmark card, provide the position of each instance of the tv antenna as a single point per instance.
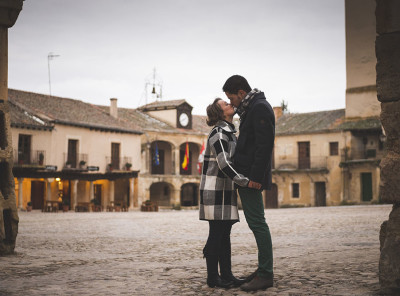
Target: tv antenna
(153, 81)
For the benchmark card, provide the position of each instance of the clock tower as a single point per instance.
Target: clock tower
(177, 113)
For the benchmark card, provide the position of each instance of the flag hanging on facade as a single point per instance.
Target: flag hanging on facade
(185, 163)
(156, 156)
(201, 158)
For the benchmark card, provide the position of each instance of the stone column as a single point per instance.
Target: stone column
(9, 11)
(176, 198)
(20, 199)
(91, 191)
(387, 47)
(111, 190)
(131, 192)
(48, 189)
(177, 161)
(74, 194)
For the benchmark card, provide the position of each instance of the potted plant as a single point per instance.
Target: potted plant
(82, 164)
(68, 164)
(29, 206)
(41, 158)
(65, 203)
(128, 166)
(109, 167)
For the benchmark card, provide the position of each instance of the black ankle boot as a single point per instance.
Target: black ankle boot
(225, 266)
(213, 278)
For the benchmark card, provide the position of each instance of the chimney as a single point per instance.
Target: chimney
(278, 112)
(113, 107)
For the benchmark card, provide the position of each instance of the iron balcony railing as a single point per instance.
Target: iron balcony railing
(361, 154)
(119, 163)
(33, 157)
(75, 161)
(294, 163)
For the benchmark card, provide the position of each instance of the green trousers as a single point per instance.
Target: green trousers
(253, 208)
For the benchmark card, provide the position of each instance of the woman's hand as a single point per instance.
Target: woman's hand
(254, 185)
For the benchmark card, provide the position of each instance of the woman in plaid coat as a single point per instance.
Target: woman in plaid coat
(218, 196)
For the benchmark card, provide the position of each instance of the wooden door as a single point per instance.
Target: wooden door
(366, 186)
(97, 193)
(271, 197)
(320, 194)
(304, 155)
(72, 158)
(37, 194)
(115, 155)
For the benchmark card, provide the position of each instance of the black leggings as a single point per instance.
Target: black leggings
(219, 237)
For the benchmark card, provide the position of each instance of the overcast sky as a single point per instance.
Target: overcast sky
(292, 50)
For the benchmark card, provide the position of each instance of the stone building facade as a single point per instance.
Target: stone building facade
(323, 159)
(169, 126)
(72, 152)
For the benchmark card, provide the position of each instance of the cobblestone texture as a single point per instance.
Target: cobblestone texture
(317, 251)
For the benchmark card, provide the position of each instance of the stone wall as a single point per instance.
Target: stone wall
(387, 48)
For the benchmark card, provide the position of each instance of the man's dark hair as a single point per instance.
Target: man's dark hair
(236, 83)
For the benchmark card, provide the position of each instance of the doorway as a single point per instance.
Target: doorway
(37, 194)
(271, 197)
(366, 186)
(320, 194)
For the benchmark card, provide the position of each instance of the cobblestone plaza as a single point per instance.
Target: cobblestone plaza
(317, 251)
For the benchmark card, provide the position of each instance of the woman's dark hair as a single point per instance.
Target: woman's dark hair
(214, 113)
(236, 83)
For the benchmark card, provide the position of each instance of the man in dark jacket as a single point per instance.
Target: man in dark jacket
(252, 158)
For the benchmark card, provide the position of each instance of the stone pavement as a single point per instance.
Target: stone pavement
(317, 251)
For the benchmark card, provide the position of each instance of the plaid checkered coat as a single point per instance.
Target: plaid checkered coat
(218, 197)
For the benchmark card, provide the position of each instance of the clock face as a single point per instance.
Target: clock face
(184, 119)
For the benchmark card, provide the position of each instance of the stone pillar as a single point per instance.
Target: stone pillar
(74, 194)
(20, 199)
(176, 198)
(91, 191)
(387, 47)
(9, 11)
(48, 189)
(111, 190)
(131, 192)
(177, 161)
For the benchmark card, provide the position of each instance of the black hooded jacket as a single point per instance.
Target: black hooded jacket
(253, 153)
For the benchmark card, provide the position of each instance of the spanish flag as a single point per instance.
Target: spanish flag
(185, 163)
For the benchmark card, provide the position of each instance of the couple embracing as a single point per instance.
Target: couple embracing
(234, 165)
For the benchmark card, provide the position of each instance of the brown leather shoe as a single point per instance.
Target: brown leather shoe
(250, 277)
(258, 283)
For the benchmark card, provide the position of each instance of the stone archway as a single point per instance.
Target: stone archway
(163, 165)
(194, 151)
(161, 193)
(190, 195)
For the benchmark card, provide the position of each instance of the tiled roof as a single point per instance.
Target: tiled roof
(314, 122)
(23, 119)
(152, 124)
(372, 123)
(66, 111)
(199, 124)
(162, 104)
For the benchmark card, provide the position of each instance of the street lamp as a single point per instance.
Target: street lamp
(50, 56)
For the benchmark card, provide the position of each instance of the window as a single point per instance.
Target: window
(333, 148)
(371, 153)
(24, 149)
(304, 155)
(295, 190)
(72, 155)
(115, 148)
